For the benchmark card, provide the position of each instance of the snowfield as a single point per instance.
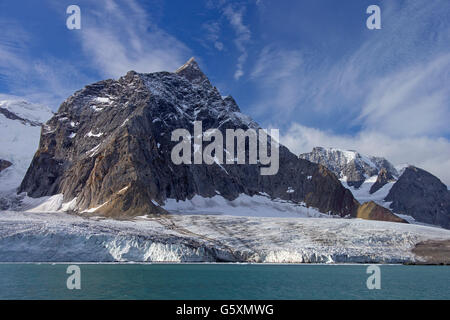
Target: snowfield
(243, 205)
(19, 140)
(60, 237)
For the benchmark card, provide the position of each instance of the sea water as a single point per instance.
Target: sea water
(222, 281)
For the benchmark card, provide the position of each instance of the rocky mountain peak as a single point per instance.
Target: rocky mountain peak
(406, 189)
(191, 71)
(384, 176)
(108, 150)
(423, 196)
(349, 165)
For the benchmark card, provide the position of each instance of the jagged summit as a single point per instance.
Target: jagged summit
(190, 63)
(350, 165)
(191, 71)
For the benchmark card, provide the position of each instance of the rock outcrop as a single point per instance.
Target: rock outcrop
(372, 211)
(4, 164)
(108, 148)
(419, 194)
(383, 178)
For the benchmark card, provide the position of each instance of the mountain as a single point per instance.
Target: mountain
(421, 195)
(411, 193)
(108, 150)
(349, 165)
(20, 126)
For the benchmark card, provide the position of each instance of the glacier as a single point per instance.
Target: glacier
(28, 236)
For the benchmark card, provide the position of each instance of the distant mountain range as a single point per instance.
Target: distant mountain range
(107, 152)
(408, 191)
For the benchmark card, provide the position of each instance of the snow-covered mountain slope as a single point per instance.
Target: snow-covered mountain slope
(416, 196)
(33, 237)
(411, 193)
(29, 112)
(20, 129)
(244, 205)
(362, 194)
(351, 166)
(357, 172)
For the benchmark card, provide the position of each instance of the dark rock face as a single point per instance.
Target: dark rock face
(4, 164)
(383, 177)
(350, 164)
(109, 145)
(419, 194)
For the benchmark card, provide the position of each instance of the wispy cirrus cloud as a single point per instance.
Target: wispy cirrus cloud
(43, 79)
(119, 36)
(405, 64)
(411, 102)
(212, 29)
(277, 72)
(243, 35)
(387, 97)
(116, 36)
(431, 154)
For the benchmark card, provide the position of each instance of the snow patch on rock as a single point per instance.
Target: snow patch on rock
(244, 205)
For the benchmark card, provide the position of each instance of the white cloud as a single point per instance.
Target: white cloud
(279, 74)
(122, 38)
(431, 154)
(116, 37)
(243, 36)
(212, 35)
(411, 102)
(393, 82)
(43, 79)
(392, 92)
(12, 45)
(286, 62)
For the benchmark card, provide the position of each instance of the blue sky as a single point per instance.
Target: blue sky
(308, 67)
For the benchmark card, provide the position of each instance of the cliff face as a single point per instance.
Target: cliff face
(108, 148)
(419, 194)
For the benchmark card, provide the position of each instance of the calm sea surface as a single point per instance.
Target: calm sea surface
(222, 281)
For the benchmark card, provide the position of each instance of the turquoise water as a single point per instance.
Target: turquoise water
(222, 281)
